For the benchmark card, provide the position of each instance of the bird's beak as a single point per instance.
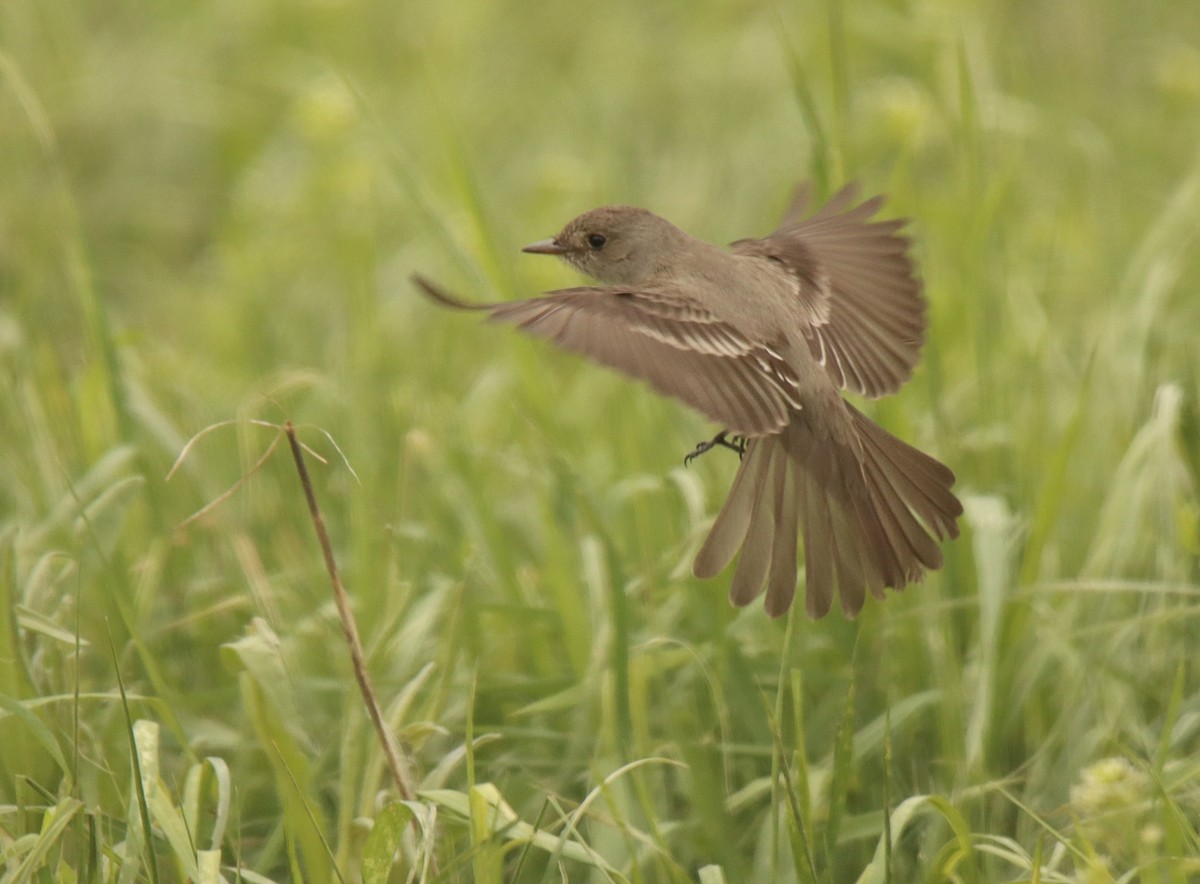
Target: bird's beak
(545, 247)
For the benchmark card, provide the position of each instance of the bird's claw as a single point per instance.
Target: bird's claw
(722, 439)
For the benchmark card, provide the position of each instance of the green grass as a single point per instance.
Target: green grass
(209, 213)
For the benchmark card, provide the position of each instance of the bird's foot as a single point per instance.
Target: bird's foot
(722, 439)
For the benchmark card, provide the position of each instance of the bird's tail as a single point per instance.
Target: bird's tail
(871, 514)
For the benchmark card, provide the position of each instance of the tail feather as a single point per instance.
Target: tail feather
(822, 554)
(781, 580)
(871, 514)
(729, 530)
(922, 482)
(865, 559)
(907, 539)
(752, 569)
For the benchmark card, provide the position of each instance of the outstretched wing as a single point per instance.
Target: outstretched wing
(857, 281)
(665, 339)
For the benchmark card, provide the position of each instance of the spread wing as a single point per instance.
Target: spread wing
(858, 283)
(665, 339)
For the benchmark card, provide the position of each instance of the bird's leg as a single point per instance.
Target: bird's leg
(723, 439)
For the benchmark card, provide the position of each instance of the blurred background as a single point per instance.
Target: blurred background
(209, 213)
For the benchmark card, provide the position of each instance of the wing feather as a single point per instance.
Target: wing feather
(857, 287)
(665, 339)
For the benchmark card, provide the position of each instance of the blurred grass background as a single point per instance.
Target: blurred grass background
(209, 213)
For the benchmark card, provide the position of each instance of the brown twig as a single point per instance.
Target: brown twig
(391, 750)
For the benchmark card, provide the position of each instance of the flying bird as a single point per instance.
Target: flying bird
(761, 338)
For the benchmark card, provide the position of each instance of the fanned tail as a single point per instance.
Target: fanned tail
(871, 514)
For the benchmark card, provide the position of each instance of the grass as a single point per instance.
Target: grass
(208, 215)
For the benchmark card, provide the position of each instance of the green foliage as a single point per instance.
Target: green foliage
(208, 216)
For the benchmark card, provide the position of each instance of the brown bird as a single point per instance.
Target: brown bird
(760, 339)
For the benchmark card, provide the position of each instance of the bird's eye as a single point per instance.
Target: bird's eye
(596, 240)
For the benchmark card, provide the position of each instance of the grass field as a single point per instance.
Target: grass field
(208, 216)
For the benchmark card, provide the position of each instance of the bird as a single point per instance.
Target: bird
(763, 338)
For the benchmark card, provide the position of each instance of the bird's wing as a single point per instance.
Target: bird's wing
(665, 339)
(856, 284)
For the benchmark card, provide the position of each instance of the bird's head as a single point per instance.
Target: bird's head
(619, 245)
